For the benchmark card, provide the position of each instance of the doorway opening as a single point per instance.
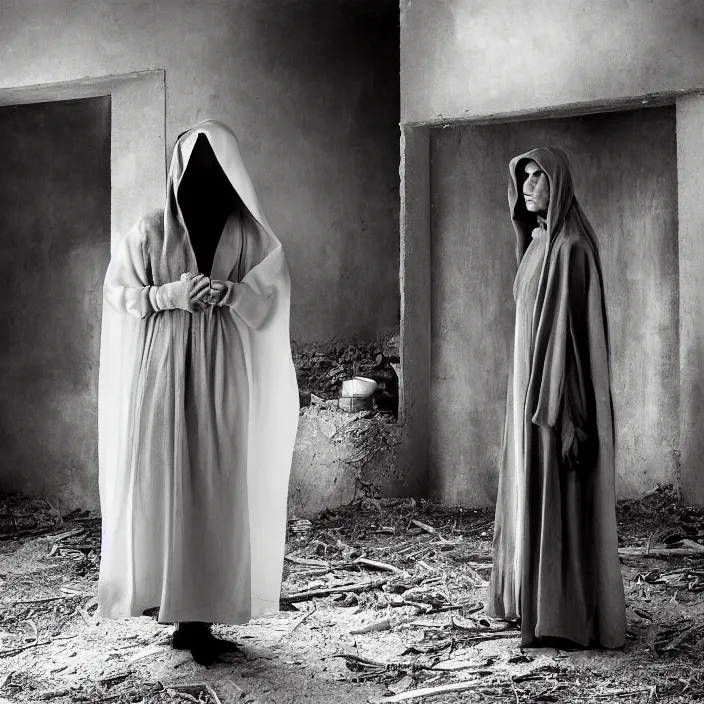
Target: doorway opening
(55, 246)
(624, 168)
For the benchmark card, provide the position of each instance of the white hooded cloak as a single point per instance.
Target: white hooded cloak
(197, 415)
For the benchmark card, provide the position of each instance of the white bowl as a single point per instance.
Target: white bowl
(359, 386)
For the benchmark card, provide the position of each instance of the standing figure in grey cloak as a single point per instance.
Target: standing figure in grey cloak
(556, 566)
(198, 404)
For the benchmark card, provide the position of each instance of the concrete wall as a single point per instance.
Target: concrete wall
(690, 186)
(310, 87)
(463, 58)
(414, 382)
(625, 174)
(54, 247)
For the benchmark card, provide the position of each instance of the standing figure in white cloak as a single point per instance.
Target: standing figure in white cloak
(198, 404)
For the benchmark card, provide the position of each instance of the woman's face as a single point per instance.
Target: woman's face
(536, 189)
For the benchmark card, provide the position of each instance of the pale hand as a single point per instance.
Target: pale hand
(217, 292)
(186, 294)
(198, 288)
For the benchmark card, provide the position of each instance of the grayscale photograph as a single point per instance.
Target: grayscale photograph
(351, 351)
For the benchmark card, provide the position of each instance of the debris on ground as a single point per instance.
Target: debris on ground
(21, 516)
(321, 369)
(366, 442)
(383, 601)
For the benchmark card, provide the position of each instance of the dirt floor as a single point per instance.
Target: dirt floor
(382, 602)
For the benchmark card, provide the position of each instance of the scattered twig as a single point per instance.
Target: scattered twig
(687, 543)
(181, 695)
(661, 552)
(433, 691)
(41, 600)
(307, 562)
(373, 564)
(470, 627)
(54, 693)
(480, 637)
(71, 591)
(383, 625)
(480, 527)
(114, 679)
(10, 652)
(301, 621)
(623, 692)
(58, 537)
(315, 593)
(424, 526)
(515, 691)
(146, 653)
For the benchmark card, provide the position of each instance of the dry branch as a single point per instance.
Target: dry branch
(343, 589)
(383, 625)
(424, 526)
(661, 552)
(42, 600)
(373, 564)
(10, 652)
(623, 692)
(433, 691)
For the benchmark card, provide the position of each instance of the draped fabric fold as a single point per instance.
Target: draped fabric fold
(556, 566)
(197, 414)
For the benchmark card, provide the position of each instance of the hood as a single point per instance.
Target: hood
(226, 148)
(554, 163)
(177, 254)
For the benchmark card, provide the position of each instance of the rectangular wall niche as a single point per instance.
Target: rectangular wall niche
(54, 249)
(624, 167)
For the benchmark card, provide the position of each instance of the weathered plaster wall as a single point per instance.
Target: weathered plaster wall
(690, 186)
(54, 247)
(625, 173)
(462, 58)
(414, 397)
(311, 88)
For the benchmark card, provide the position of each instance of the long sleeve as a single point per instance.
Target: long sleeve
(561, 356)
(127, 288)
(251, 305)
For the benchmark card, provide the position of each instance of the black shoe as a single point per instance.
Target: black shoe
(204, 646)
(203, 652)
(152, 613)
(189, 632)
(225, 646)
(181, 639)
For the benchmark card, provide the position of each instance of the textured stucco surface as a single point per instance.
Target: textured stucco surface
(464, 58)
(690, 186)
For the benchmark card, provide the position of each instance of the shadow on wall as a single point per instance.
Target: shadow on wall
(625, 173)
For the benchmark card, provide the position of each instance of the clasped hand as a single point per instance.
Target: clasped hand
(202, 292)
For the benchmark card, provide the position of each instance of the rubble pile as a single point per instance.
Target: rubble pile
(321, 369)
